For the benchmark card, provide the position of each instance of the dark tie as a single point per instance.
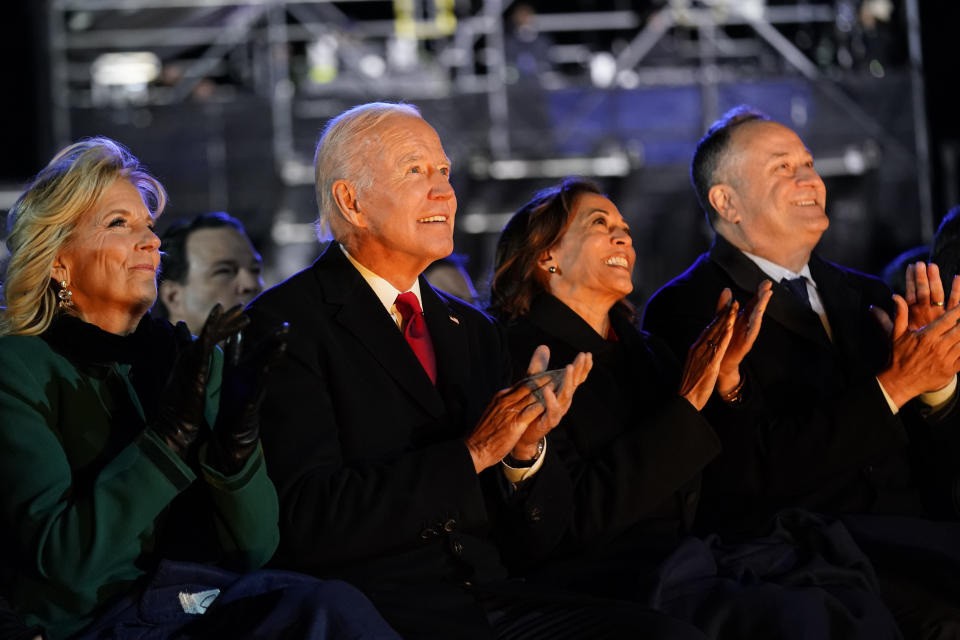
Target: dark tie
(798, 287)
(414, 329)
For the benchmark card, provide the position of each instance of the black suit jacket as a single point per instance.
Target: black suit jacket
(376, 484)
(633, 448)
(815, 430)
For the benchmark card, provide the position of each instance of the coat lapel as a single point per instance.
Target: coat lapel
(555, 318)
(845, 308)
(361, 314)
(448, 334)
(783, 308)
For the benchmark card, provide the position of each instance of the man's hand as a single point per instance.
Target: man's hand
(501, 425)
(513, 411)
(745, 331)
(700, 371)
(923, 359)
(556, 399)
(925, 296)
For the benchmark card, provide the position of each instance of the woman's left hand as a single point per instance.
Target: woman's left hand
(237, 431)
(180, 413)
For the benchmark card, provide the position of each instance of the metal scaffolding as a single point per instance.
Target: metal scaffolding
(299, 55)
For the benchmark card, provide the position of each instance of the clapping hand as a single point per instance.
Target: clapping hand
(924, 295)
(181, 411)
(702, 366)
(237, 431)
(922, 360)
(516, 418)
(555, 396)
(745, 331)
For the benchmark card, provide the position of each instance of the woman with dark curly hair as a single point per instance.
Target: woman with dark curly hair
(636, 439)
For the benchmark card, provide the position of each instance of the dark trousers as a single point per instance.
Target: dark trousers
(518, 612)
(918, 565)
(802, 577)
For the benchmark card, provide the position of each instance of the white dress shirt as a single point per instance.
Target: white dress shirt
(386, 292)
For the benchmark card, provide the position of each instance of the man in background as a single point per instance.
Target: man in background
(205, 260)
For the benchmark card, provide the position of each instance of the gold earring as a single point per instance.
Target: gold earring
(552, 269)
(65, 295)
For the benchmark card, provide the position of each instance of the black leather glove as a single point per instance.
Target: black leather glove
(180, 412)
(237, 431)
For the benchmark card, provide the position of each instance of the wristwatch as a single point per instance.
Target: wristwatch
(513, 463)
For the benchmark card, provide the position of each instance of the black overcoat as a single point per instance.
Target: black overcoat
(376, 484)
(815, 431)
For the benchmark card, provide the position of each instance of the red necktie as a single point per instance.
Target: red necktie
(415, 331)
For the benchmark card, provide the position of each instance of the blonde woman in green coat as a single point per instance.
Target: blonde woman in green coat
(109, 466)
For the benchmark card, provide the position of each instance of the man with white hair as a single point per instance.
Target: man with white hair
(399, 456)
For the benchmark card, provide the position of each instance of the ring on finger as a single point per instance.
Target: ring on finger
(937, 304)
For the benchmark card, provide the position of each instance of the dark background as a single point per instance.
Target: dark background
(874, 215)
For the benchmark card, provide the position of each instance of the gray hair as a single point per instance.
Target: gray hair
(712, 152)
(340, 156)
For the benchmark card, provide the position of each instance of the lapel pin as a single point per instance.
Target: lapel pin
(455, 320)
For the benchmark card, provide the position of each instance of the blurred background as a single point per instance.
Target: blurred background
(224, 101)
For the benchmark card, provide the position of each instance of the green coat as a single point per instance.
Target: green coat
(90, 501)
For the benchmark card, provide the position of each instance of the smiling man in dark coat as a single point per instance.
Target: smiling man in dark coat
(844, 411)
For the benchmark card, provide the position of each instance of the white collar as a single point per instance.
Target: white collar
(385, 291)
(777, 272)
